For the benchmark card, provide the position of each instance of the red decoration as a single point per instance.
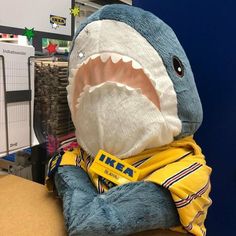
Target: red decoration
(51, 48)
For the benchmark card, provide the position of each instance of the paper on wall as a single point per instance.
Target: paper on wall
(16, 69)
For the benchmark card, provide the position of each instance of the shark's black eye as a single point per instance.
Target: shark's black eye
(178, 66)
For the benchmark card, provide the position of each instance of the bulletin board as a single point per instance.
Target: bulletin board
(15, 15)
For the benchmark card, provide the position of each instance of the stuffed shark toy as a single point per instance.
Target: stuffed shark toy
(135, 107)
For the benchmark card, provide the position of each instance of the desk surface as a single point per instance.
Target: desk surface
(26, 209)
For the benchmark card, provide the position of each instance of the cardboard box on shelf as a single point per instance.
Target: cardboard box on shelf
(18, 163)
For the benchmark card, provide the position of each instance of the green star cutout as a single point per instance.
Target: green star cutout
(75, 11)
(29, 33)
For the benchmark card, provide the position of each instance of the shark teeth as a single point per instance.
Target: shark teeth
(136, 65)
(115, 58)
(107, 85)
(126, 59)
(104, 57)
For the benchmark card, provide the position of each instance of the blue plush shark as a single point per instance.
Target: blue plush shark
(139, 41)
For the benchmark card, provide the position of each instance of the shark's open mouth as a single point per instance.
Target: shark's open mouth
(100, 68)
(104, 67)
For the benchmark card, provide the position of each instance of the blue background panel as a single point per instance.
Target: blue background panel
(207, 31)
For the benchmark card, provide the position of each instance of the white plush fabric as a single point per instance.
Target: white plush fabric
(120, 120)
(111, 37)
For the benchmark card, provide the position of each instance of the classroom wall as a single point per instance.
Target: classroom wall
(207, 31)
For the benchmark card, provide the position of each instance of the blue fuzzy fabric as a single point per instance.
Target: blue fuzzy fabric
(123, 210)
(165, 42)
